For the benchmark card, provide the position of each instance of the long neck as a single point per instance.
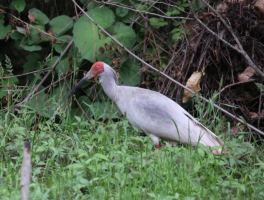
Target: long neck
(108, 82)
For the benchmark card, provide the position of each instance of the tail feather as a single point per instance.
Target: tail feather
(208, 138)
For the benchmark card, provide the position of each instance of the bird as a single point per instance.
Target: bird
(152, 112)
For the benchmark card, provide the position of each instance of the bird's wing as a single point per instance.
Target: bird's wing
(147, 110)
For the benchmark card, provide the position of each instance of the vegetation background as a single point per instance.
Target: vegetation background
(90, 151)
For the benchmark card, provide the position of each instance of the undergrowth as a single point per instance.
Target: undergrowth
(70, 160)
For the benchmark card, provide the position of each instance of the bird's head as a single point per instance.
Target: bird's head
(97, 69)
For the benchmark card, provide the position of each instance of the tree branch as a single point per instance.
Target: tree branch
(242, 51)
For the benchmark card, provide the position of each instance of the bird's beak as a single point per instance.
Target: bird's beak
(87, 76)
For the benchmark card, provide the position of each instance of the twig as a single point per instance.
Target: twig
(32, 72)
(165, 75)
(259, 108)
(25, 171)
(242, 51)
(150, 13)
(227, 86)
(237, 83)
(213, 33)
(46, 76)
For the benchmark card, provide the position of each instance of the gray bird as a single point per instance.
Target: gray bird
(155, 114)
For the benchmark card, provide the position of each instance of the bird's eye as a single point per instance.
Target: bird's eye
(96, 67)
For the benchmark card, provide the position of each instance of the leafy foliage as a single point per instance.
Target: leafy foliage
(3, 29)
(61, 25)
(32, 62)
(20, 5)
(6, 83)
(37, 17)
(90, 44)
(129, 73)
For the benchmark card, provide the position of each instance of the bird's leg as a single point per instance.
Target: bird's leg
(155, 140)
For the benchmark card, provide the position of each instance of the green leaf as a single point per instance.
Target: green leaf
(101, 156)
(36, 36)
(38, 17)
(130, 73)
(61, 25)
(32, 62)
(102, 16)
(158, 22)
(181, 9)
(151, 195)
(7, 82)
(176, 11)
(121, 12)
(16, 35)
(3, 29)
(124, 34)
(83, 1)
(131, 15)
(176, 36)
(32, 48)
(84, 100)
(86, 34)
(20, 5)
(3, 92)
(86, 38)
(61, 67)
(168, 14)
(61, 43)
(186, 5)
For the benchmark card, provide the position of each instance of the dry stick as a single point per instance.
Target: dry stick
(237, 83)
(25, 171)
(242, 51)
(46, 76)
(165, 75)
(259, 109)
(32, 72)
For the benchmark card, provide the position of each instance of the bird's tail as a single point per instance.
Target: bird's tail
(211, 140)
(207, 137)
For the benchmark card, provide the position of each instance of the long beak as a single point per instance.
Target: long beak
(82, 81)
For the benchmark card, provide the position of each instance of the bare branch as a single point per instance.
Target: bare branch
(242, 51)
(25, 171)
(150, 13)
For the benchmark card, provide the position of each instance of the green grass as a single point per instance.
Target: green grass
(72, 161)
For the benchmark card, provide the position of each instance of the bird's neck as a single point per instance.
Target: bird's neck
(110, 87)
